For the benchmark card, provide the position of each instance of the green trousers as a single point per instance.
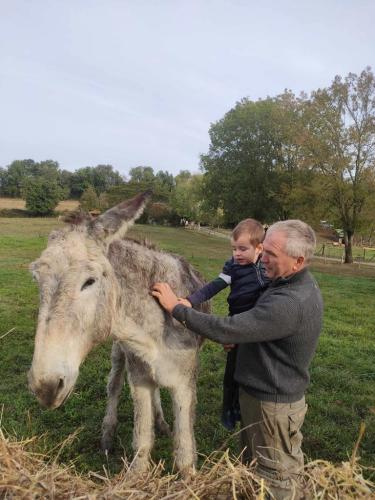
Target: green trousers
(271, 434)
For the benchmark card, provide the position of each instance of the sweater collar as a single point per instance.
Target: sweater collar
(292, 278)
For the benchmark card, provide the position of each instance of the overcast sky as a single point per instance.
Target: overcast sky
(136, 82)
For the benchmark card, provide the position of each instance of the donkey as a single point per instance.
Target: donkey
(95, 284)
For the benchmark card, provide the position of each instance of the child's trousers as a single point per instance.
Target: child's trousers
(231, 406)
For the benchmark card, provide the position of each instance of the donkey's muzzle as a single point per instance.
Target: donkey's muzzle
(47, 391)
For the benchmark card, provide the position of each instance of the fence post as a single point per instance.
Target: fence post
(324, 253)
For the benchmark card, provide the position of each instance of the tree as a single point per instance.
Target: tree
(3, 180)
(101, 178)
(164, 182)
(366, 229)
(240, 167)
(159, 212)
(141, 179)
(187, 197)
(143, 175)
(89, 199)
(339, 140)
(183, 175)
(14, 177)
(104, 202)
(65, 181)
(49, 169)
(41, 196)
(299, 191)
(82, 178)
(105, 177)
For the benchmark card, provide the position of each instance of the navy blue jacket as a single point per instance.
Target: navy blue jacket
(246, 284)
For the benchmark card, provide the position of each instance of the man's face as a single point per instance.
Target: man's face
(276, 262)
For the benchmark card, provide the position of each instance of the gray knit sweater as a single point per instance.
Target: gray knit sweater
(277, 338)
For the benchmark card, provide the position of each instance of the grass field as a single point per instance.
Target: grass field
(340, 397)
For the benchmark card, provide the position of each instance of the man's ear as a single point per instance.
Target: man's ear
(300, 261)
(115, 222)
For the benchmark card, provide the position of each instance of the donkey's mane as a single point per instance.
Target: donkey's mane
(144, 242)
(77, 217)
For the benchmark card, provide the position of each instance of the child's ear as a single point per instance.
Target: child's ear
(259, 248)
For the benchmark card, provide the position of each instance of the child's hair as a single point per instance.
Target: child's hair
(251, 227)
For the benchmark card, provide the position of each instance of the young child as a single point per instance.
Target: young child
(245, 276)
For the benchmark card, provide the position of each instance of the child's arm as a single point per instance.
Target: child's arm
(207, 291)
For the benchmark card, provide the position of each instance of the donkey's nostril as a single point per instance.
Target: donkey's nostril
(61, 385)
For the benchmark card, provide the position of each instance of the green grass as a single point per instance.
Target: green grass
(341, 394)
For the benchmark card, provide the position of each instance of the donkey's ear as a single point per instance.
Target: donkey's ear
(115, 222)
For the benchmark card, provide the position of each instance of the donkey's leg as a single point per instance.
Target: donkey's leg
(114, 387)
(184, 401)
(161, 425)
(143, 431)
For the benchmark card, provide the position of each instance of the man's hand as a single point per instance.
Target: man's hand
(165, 295)
(184, 302)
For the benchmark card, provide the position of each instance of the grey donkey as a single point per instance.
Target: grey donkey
(95, 284)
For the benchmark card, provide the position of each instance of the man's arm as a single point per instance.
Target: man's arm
(273, 317)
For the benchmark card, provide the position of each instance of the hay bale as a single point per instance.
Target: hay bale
(28, 475)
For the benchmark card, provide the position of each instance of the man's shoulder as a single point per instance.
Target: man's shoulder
(306, 292)
(300, 298)
(296, 286)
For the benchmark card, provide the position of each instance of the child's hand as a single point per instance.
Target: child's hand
(184, 302)
(228, 347)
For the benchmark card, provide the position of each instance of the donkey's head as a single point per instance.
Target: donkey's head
(78, 298)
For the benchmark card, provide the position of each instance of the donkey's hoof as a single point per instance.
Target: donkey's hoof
(188, 473)
(137, 468)
(106, 444)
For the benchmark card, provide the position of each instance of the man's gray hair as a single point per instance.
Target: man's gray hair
(300, 237)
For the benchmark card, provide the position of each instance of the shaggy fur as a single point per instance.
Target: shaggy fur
(93, 284)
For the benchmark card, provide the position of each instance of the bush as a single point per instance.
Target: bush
(158, 212)
(41, 196)
(89, 199)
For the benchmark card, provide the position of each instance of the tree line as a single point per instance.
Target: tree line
(43, 184)
(308, 156)
(17, 178)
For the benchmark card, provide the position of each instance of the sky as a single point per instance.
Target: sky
(139, 82)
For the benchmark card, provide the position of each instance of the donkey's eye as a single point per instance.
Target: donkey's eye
(88, 283)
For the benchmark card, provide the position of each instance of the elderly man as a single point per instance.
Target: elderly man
(277, 340)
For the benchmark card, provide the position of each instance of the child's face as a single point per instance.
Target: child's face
(243, 252)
